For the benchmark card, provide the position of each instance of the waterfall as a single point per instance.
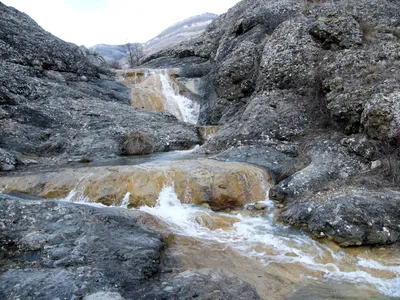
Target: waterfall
(181, 107)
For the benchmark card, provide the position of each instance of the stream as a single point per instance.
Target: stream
(268, 255)
(279, 261)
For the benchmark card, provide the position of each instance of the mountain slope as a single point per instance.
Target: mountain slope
(181, 31)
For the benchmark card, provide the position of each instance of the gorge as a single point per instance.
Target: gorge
(259, 160)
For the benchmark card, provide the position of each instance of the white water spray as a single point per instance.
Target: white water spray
(125, 201)
(181, 107)
(279, 244)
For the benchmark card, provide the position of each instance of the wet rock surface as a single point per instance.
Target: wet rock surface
(278, 164)
(61, 250)
(221, 185)
(358, 218)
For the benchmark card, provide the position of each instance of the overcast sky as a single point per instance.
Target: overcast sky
(90, 22)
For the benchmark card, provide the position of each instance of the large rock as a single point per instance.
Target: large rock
(278, 164)
(54, 249)
(286, 120)
(358, 218)
(222, 185)
(330, 165)
(59, 250)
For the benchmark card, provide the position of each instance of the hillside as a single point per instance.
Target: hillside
(171, 36)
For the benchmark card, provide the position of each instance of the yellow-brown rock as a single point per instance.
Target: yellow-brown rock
(148, 95)
(222, 185)
(207, 131)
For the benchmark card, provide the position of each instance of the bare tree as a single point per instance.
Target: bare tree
(115, 64)
(134, 53)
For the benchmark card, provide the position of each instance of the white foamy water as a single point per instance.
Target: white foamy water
(181, 107)
(268, 242)
(125, 201)
(3, 189)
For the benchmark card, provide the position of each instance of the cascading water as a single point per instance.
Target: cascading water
(178, 105)
(256, 237)
(268, 242)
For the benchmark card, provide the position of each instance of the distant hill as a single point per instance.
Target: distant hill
(179, 32)
(110, 52)
(173, 35)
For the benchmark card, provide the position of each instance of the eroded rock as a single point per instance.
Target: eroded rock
(358, 218)
(222, 185)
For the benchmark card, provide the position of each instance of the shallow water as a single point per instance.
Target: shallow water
(281, 262)
(312, 266)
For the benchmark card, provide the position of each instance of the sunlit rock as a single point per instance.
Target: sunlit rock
(222, 185)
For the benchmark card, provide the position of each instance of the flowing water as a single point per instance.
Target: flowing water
(156, 89)
(276, 259)
(362, 272)
(181, 107)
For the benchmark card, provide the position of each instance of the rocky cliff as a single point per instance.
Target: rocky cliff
(59, 102)
(315, 80)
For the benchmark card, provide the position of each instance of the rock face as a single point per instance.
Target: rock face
(56, 101)
(62, 250)
(314, 82)
(219, 184)
(351, 220)
(310, 80)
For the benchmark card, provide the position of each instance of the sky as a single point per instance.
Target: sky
(91, 22)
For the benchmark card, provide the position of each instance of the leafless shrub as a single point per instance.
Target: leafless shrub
(115, 64)
(134, 53)
(389, 154)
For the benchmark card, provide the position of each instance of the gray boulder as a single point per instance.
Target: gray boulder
(269, 116)
(360, 218)
(329, 166)
(278, 164)
(57, 250)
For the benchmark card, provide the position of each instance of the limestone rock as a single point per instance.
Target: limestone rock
(359, 219)
(63, 249)
(329, 164)
(286, 120)
(7, 161)
(220, 184)
(334, 30)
